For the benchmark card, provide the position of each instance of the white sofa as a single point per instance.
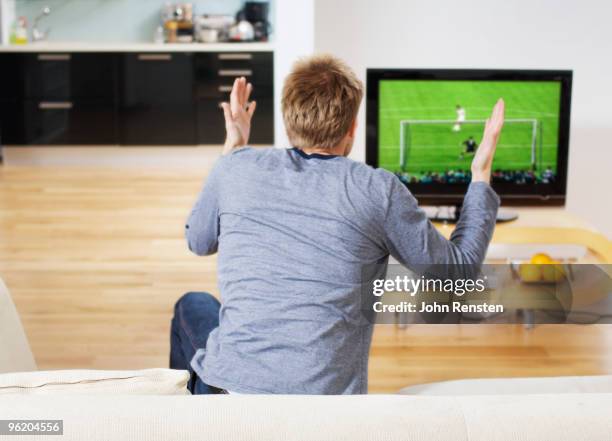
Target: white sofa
(522, 409)
(15, 353)
(568, 417)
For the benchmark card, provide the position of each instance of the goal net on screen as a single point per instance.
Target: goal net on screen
(431, 139)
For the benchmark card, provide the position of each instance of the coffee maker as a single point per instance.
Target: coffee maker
(256, 13)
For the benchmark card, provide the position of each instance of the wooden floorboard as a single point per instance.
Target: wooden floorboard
(95, 259)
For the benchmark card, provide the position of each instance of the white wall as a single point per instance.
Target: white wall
(110, 20)
(546, 34)
(293, 38)
(7, 17)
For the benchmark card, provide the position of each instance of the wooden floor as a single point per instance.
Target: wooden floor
(95, 260)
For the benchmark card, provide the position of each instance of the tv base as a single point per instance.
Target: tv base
(450, 214)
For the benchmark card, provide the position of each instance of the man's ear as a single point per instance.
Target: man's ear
(353, 129)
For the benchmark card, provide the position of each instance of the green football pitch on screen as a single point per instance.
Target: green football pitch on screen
(424, 125)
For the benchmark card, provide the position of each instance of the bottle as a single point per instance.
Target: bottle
(19, 34)
(171, 31)
(160, 35)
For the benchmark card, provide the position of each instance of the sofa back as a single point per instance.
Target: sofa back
(360, 417)
(15, 353)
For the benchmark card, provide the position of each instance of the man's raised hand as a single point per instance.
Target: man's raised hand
(238, 113)
(483, 159)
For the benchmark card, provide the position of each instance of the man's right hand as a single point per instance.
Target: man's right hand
(483, 159)
(238, 113)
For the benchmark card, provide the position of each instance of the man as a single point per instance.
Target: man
(293, 229)
(460, 118)
(470, 147)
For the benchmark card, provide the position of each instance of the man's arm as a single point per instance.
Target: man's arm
(202, 227)
(413, 240)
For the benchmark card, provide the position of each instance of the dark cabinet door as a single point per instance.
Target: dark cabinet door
(70, 76)
(262, 125)
(211, 125)
(157, 104)
(64, 122)
(11, 122)
(11, 76)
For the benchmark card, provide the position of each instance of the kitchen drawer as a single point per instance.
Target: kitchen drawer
(213, 61)
(220, 90)
(66, 123)
(157, 78)
(70, 76)
(167, 123)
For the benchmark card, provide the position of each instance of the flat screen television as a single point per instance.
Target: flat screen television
(425, 124)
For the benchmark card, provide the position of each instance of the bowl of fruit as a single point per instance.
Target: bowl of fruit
(540, 269)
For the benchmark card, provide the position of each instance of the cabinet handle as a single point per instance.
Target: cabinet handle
(46, 105)
(235, 56)
(54, 57)
(224, 89)
(154, 57)
(235, 73)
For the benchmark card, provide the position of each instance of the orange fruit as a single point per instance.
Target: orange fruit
(541, 259)
(530, 273)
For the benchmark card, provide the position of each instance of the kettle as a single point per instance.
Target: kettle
(242, 31)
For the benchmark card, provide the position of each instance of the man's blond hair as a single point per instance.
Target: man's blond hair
(321, 99)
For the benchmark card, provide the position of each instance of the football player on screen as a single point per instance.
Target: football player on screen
(470, 147)
(460, 118)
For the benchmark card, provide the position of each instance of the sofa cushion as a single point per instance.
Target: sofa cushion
(510, 386)
(15, 354)
(93, 382)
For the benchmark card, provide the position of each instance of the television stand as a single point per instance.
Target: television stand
(450, 214)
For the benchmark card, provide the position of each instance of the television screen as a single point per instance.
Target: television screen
(428, 125)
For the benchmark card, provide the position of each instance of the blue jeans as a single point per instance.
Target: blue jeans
(196, 314)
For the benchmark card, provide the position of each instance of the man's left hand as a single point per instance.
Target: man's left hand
(238, 114)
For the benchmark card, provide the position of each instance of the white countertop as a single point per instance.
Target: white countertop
(136, 47)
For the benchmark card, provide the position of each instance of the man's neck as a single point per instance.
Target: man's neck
(334, 151)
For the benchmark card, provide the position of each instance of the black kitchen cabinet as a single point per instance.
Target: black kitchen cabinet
(96, 98)
(157, 104)
(58, 99)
